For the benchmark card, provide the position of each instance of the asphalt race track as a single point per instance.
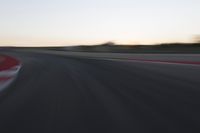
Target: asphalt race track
(66, 94)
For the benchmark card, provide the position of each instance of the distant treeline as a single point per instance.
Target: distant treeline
(160, 48)
(116, 48)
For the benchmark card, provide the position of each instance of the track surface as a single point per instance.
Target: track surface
(61, 94)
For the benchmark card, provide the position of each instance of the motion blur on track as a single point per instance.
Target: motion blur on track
(69, 94)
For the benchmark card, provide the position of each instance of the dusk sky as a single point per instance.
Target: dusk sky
(74, 22)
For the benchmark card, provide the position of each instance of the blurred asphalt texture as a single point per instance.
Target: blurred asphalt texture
(66, 94)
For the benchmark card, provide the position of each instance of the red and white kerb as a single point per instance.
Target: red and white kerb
(9, 68)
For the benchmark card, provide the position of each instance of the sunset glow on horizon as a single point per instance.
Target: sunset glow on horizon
(77, 22)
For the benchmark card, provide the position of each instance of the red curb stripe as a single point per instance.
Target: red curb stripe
(174, 62)
(162, 61)
(1, 59)
(8, 62)
(4, 78)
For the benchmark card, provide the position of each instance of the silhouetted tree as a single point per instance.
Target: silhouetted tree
(108, 44)
(197, 39)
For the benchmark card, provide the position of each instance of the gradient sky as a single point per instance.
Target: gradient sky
(70, 22)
